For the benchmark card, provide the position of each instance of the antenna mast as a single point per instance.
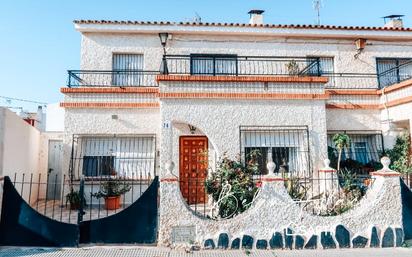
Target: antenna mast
(317, 4)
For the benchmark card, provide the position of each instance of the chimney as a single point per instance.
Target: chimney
(256, 17)
(393, 21)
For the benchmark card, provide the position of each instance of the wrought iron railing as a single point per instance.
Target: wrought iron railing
(108, 78)
(362, 155)
(232, 65)
(60, 198)
(213, 65)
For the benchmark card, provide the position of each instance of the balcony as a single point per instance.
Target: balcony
(112, 78)
(241, 66)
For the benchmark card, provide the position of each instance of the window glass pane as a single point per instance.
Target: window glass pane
(123, 156)
(287, 148)
(127, 66)
(213, 64)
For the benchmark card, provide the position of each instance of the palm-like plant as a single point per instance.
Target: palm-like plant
(341, 141)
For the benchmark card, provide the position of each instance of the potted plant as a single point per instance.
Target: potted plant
(293, 68)
(74, 198)
(112, 190)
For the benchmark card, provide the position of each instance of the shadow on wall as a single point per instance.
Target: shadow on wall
(406, 195)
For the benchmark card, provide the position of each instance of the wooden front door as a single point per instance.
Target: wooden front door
(193, 163)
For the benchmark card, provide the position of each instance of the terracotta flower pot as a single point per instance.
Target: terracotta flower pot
(112, 202)
(367, 182)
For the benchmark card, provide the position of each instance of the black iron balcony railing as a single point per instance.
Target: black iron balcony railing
(120, 78)
(233, 65)
(213, 65)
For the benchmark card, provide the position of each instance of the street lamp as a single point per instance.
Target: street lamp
(163, 41)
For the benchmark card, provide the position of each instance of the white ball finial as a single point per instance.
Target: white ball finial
(385, 163)
(169, 165)
(271, 166)
(326, 164)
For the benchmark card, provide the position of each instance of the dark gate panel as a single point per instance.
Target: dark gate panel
(406, 194)
(135, 224)
(21, 225)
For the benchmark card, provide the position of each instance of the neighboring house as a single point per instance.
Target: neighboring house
(152, 92)
(27, 150)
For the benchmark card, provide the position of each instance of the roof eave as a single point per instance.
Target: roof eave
(246, 31)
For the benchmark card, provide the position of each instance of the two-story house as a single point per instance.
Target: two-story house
(151, 92)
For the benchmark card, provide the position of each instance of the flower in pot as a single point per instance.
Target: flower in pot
(74, 199)
(112, 190)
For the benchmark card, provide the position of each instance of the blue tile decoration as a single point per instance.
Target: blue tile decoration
(247, 242)
(276, 242)
(312, 243)
(399, 237)
(261, 244)
(235, 243)
(209, 244)
(223, 241)
(299, 242)
(326, 240)
(288, 238)
(342, 236)
(375, 241)
(359, 242)
(388, 239)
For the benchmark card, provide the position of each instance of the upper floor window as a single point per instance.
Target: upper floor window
(128, 69)
(213, 64)
(393, 70)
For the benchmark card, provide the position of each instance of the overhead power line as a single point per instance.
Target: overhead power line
(22, 100)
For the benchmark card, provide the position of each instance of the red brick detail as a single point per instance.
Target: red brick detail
(289, 79)
(275, 96)
(397, 102)
(110, 90)
(385, 174)
(395, 87)
(169, 180)
(109, 105)
(352, 92)
(263, 179)
(352, 106)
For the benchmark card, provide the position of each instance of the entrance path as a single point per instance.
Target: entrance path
(135, 251)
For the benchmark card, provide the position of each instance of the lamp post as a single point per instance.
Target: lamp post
(163, 41)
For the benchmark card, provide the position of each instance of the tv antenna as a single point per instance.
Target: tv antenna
(317, 4)
(197, 18)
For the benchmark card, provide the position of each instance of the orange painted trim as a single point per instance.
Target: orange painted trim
(395, 87)
(276, 96)
(110, 90)
(353, 106)
(169, 180)
(290, 79)
(397, 102)
(385, 174)
(109, 105)
(352, 92)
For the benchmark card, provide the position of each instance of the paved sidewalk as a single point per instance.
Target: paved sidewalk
(124, 251)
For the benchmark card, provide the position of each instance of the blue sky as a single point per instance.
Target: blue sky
(39, 43)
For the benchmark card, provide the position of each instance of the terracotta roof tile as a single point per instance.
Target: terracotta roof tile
(220, 24)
